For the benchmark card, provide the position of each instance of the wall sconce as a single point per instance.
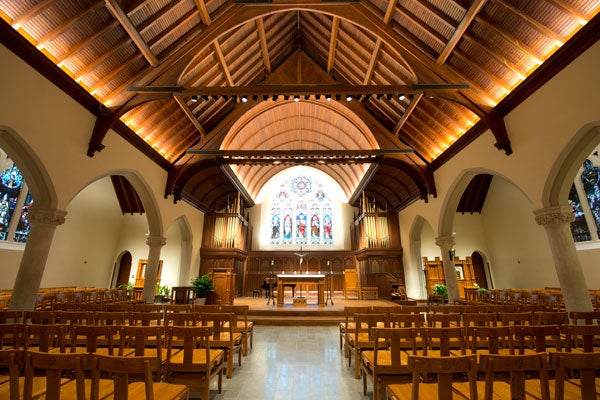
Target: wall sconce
(451, 253)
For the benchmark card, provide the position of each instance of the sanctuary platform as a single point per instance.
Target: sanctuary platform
(308, 314)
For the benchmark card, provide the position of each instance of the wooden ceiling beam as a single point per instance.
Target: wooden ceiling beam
(532, 22)
(299, 89)
(262, 36)
(373, 61)
(435, 35)
(83, 44)
(389, 12)
(26, 16)
(335, 28)
(204, 14)
(67, 24)
(188, 112)
(135, 36)
(460, 30)
(568, 9)
(411, 107)
(223, 62)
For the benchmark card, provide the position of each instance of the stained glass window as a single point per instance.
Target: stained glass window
(15, 201)
(579, 228)
(301, 212)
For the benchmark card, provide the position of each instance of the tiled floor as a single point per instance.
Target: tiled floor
(293, 363)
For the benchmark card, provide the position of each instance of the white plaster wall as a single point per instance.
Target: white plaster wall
(83, 247)
(519, 250)
(58, 131)
(538, 131)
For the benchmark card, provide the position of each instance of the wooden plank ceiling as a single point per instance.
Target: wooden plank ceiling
(170, 76)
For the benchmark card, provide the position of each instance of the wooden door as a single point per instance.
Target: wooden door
(124, 270)
(141, 273)
(479, 270)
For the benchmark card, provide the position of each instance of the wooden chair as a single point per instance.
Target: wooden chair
(550, 318)
(446, 369)
(491, 340)
(587, 364)
(223, 337)
(515, 318)
(182, 319)
(9, 384)
(193, 358)
(177, 308)
(98, 339)
(39, 317)
(152, 308)
(348, 323)
(119, 307)
(11, 336)
(351, 284)
(401, 320)
(582, 338)
(443, 319)
(44, 338)
(120, 368)
(517, 366)
(146, 318)
(143, 341)
(418, 309)
(11, 317)
(383, 366)
(585, 317)
(54, 367)
(479, 319)
(71, 318)
(361, 338)
(245, 327)
(538, 338)
(443, 341)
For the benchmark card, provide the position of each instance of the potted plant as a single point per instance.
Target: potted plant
(162, 292)
(440, 294)
(202, 285)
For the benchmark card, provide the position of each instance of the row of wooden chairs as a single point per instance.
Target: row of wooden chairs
(140, 314)
(520, 384)
(383, 353)
(526, 335)
(62, 375)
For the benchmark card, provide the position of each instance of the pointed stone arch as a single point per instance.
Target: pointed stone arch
(184, 268)
(34, 172)
(414, 275)
(561, 175)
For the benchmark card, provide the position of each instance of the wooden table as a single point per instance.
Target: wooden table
(301, 279)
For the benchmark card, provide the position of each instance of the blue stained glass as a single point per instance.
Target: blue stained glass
(579, 228)
(589, 180)
(23, 227)
(10, 189)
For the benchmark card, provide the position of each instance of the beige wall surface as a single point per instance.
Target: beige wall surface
(39, 115)
(539, 129)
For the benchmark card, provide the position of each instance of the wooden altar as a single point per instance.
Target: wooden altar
(301, 279)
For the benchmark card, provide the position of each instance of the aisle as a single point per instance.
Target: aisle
(293, 363)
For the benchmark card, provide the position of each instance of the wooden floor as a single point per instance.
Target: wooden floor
(311, 314)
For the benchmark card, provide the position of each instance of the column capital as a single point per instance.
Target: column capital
(156, 241)
(47, 216)
(554, 215)
(445, 241)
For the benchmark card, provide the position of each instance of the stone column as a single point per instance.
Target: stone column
(155, 243)
(43, 224)
(557, 221)
(446, 243)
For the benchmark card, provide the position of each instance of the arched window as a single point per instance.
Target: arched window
(15, 201)
(300, 210)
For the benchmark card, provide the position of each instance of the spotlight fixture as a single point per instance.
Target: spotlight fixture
(306, 96)
(286, 97)
(194, 98)
(328, 97)
(265, 97)
(338, 97)
(349, 97)
(379, 96)
(388, 96)
(204, 97)
(244, 99)
(317, 96)
(275, 97)
(401, 97)
(296, 98)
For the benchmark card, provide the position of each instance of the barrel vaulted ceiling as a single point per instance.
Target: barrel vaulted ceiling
(424, 78)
